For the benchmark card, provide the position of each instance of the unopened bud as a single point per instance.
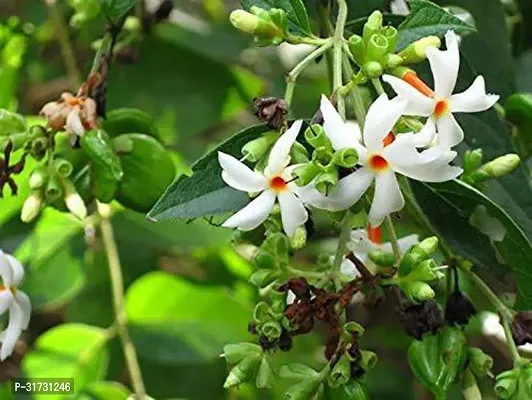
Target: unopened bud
(417, 51)
(263, 277)
(299, 239)
(242, 372)
(74, 202)
(372, 69)
(382, 258)
(412, 257)
(497, 168)
(132, 24)
(256, 149)
(358, 49)
(429, 245)
(372, 26)
(392, 61)
(377, 47)
(265, 376)
(38, 178)
(419, 292)
(479, 362)
(234, 353)
(346, 157)
(472, 160)
(32, 207)
(305, 174)
(299, 154)
(425, 271)
(506, 384)
(254, 25)
(316, 137)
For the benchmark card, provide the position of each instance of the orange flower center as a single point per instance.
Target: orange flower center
(412, 78)
(74, 101)
(278, 184)
(388, 139)
(377, 162)
(375, 234)
(13, 289)
(441, 108)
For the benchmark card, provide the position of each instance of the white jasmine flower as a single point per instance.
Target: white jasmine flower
(440, 104)
(272, 184)
(12, 299)
(379, 159)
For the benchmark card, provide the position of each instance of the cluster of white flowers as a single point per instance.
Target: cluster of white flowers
(423, 156)
(14, 300)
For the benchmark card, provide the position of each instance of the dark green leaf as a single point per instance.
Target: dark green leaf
(295, 10)
(116, 9)
(451, 205)
(363, 8)
(428, 19)
(205, 193)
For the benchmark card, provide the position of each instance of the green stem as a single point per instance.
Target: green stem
(378, 85)
(315, 41)
(392, 236)
(117, 283)
(345, 235)
(309, 274)
(292, 76)
(67, 52)
(338, 44)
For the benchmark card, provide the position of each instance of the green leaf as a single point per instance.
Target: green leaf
(173, 320)
(205, 193)
(451, 206)
(116, 9)
(295, 9)
(104, 390)
(426, 19)
(68, 351)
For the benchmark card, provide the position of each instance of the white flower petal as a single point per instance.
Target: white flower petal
(474, 99)
(293, 213)
(402, 151)
(382, 116)
(349, 269)
(280, 152)
(425, 136)
(24, 303)
(445, 65)
(360, 244)
(17, 268)
(11, 334)
(239, 176)
(417, 102)
(254, 214)
(6, 270)
(350, 189)
(73, 122)
(336, 128)
(438, 170)
(6, 298)
(450, 132)
(387, 199)
(404, 244)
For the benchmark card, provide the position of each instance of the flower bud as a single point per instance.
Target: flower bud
(341, 372)
(299, 239)
(429, 245)
(506, 383)
(358, 49)
(346, 157)
(54, 189)
(243, 371)
(382, 258)
(472, 160)
(372, 69)
(262, 313)
(479, 362)
(305, 390)
(425, 271)
(522, 327)
(497, 168)
(412, 257)
(264, 260)
(38, 178)
(37, 131)
(326, 181)
(391, 34)
(518, 109)
(316, 137)
(372, 26)
(256, 149)
(271, 110)
(377, 47)
(132, 24)
(265, 375)
(368, 360)
(417, 51)
(419, 291)
(234, 353)
(305, 174)
(73, 201)
(63, 168)
(298, 154)
(250, 23)
(271, 329)
(263, 277)
(392, 61)
(32, 207)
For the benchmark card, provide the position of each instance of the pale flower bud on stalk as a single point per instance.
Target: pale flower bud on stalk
(74, 202)
(32, 207)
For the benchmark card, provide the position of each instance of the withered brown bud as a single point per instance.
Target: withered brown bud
(266, 343)
(522, 327)
(459, 309)
(417, 319)
(270, 110)
(252, 328)
(356, 370)
(285, 341)
(163, 11)
(299, 286)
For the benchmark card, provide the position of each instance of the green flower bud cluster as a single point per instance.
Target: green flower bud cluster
(417, 268)
(271, 260)
(84, 11)
(308, 383)
(269, 319)
(267, 26)
(438, 359)
(476, 174)
(250, 362)
(322, 169)
(515, 383)
(479, 362)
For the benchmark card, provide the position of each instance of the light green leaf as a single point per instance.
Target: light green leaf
(295, 10)
(173, 320)
(451, 205)
(426, 19)
(68, 351)
(116, 9)
(205, 193)
(104, 390)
